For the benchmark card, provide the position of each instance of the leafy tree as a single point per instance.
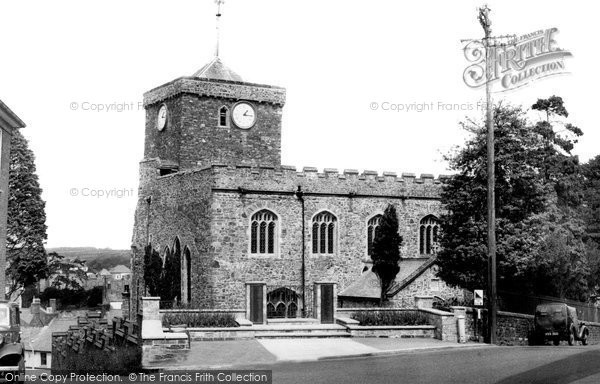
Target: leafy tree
(540, 245)
(591, 210)
(65, 273)
(26, 227)
(386, 250)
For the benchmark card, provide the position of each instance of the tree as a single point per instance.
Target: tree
(539, 233)
(152, 270)
(386, 250)
(591, 172)
(65, 273)
(26, 227)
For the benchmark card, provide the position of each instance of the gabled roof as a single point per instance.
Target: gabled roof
(40, 340)
(120, 269)
(367, 285)
(104, 272)
(216, 70)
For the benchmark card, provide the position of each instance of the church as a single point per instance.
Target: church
(251, 231)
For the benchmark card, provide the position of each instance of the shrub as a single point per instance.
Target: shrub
(199, 319)
(391, 318)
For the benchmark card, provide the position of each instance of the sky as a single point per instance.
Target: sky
(343, 63)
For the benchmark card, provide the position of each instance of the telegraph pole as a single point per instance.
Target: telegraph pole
(491, 199)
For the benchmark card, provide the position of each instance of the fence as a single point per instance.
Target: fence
(519, 303)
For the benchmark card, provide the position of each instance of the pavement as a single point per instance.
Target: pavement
(245, 353)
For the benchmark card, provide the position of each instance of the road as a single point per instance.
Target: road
(543, 364)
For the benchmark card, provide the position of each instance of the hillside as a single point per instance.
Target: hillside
(95, 258)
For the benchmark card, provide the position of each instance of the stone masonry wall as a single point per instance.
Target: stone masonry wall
(178, 209)
(193, 137)
(209, 211)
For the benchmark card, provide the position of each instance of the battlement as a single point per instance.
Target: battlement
(310, 179)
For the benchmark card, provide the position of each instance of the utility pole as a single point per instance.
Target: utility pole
(489, 43)
(491, 199)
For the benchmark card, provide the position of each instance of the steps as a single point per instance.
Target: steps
(298, 328)
(294, 321)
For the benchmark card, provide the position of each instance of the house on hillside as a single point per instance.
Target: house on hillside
(37, 342)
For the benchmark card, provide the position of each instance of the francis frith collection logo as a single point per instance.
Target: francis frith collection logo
(515, 63)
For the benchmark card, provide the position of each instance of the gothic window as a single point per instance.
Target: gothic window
(223, 117)
(186, 267)
(263, 232)
(372, 228)
(323, 233)
(429, 235)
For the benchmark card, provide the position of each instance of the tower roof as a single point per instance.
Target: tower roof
(216, 70)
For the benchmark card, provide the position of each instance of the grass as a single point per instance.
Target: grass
(199, 320)
(369, 318)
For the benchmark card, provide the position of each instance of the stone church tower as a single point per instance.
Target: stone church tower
(214, 197)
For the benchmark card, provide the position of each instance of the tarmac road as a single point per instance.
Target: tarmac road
(543, 364)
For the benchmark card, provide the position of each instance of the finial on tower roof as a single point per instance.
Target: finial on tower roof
(219, 3)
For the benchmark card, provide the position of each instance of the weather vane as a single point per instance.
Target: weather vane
(219, 3)
(484, 20)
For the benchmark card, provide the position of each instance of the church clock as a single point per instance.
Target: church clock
(244, 115)
(161, 119)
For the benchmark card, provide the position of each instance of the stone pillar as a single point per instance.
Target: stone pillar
(256, 303)
(424, 302)
(319, 301)
(125, 307)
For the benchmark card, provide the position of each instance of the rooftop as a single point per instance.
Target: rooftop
(216, 70)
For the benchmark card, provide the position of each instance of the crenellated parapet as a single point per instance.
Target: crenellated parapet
(328, 181)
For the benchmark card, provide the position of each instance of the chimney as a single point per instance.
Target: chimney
(36, 314)
(52, 306)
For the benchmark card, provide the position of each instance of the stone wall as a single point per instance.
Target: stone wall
(209, 211)
(193, 137)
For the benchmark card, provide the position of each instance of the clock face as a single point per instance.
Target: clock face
(161, 119)
(244, 115)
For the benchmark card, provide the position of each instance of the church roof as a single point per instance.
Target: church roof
(367, 285)
(216, 70)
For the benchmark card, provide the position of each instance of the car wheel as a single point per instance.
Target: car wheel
(556, 341)
(571, 338)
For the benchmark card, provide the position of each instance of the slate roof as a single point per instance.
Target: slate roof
(120, 269)
(216, 70)
(39, 339)
(367, 285)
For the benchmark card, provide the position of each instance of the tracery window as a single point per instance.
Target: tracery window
(372, 228)
(323, 233)
(429, 228)
(263, 232)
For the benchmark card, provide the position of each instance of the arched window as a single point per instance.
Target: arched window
(263, 232)
(428, 235)
(223, 117)
(186, 278)
(323, 233)
(372, 228)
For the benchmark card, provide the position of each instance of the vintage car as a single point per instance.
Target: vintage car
(556, 322)
(12, 361)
